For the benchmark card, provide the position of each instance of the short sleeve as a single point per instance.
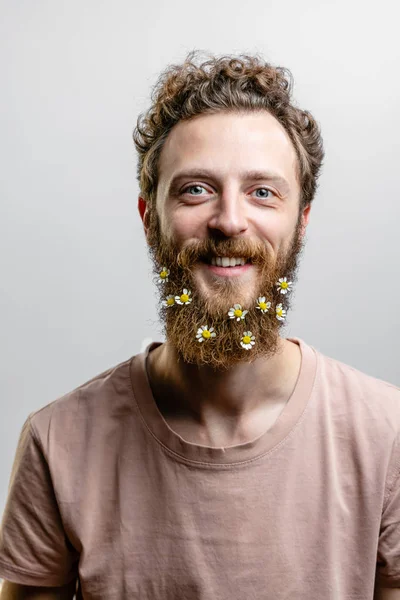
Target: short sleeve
(34, 549)
(388, 559)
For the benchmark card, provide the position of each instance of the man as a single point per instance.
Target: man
(228, 462)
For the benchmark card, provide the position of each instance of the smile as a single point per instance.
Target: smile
(226, 261)
(228, 270)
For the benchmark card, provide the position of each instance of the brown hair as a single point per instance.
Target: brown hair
(225, 83)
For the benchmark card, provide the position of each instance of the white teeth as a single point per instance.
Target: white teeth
(226, 261)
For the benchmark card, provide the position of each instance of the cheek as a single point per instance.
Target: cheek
(187, 224)
(276, 229)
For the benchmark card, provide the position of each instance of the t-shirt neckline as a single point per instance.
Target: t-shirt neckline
(241, 453)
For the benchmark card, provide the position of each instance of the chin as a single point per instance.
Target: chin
(225, 292)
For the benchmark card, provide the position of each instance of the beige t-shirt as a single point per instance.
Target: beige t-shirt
(104, 490)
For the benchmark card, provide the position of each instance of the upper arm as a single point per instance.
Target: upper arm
(387, 575)
(35, 549)
(16, 591)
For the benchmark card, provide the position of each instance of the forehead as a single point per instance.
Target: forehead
(228, 144)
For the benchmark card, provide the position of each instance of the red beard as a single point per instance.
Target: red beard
(181, 322)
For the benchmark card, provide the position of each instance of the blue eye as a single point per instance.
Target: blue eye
(264, 190)
(191, 187)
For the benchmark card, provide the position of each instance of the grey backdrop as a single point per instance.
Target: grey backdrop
(76, 291)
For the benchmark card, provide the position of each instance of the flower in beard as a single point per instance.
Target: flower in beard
(248, 340)
(236, 312)
(280, 312)
(283, 285)
(263, 305)
(169, 301)
(184, 298)
(163, 275)
(203, 333)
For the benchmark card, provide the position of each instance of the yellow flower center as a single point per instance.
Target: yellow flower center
(163, 274)
(279, 312)
(238, 312)
(170, 301)
(184, 298)
(284, 285)
(246, 339)
(263, 305)
(206, 334)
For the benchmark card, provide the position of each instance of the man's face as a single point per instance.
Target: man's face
(227, 188)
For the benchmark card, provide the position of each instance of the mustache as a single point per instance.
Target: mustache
(255, 252)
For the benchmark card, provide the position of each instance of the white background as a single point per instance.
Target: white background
(76, 290)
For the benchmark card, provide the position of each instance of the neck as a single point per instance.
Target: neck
(234, 396)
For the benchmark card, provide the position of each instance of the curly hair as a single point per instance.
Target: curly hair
(226, 83)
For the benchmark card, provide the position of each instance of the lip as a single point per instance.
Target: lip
(228, 271)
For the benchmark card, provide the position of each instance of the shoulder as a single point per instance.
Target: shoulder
(359, 392)
(97, 398)
(359, 381)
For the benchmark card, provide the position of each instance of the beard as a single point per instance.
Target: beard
(209, 307)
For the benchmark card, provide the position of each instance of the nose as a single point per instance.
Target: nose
(229, 217)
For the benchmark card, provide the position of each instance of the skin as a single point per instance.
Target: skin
(223, 408)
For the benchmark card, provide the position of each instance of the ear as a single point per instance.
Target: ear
(305, 217)
(144, 213)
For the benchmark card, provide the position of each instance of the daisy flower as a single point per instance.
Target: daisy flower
(248, 340)
(184, 298)
(283, 285)
(280, 312)
(237, 312)
(203, 333)
(163, 275)
(169, 301)
(262, 305)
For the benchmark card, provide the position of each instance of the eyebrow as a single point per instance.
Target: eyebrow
(255, 175)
